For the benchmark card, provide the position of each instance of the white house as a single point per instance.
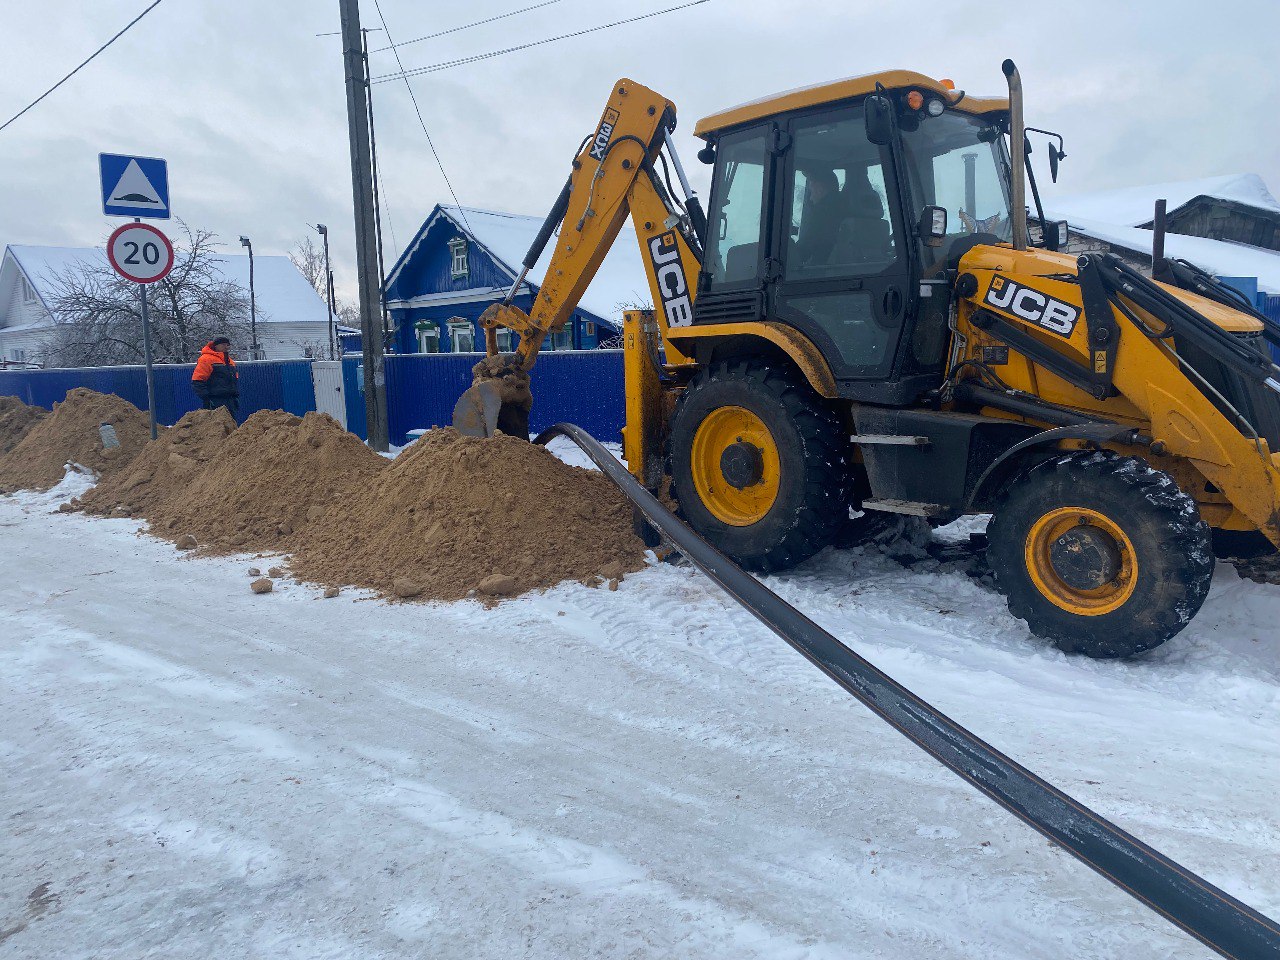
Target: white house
(292, 318)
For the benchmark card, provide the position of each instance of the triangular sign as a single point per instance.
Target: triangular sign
(135, 189)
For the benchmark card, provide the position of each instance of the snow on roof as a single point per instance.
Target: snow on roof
(1131, 206)
(620, 283)
(1218, 257)
(281, 293)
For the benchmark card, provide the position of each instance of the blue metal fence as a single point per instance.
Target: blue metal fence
(264, 385)
(581, 386)
(1270, 306)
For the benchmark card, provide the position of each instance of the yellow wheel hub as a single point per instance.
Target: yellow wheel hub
(735, 466)
(1081, 561)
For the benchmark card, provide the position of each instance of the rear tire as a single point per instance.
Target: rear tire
(785, 435)
(1100, 554)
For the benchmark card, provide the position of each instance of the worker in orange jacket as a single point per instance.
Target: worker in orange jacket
(215, 380)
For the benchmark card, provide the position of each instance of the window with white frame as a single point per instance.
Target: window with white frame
(28, 291)
(429, 338)
(462, 335)
(563, 339)
(458, 257)
(17, 354)
(505, 340)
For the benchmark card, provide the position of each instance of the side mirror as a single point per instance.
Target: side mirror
(708, 154)
(1055, 155)
(932, 227)
(879, 118)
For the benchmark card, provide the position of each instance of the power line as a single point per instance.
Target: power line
(524, 46)
(81, 65)
(422, 123)
(387, 203)
(501, 16)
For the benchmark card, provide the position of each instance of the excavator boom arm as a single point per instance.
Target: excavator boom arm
(613, 177)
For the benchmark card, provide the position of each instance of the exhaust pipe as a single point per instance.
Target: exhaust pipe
(1017, 157)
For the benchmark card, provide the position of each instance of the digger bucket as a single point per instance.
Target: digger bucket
(481, 412)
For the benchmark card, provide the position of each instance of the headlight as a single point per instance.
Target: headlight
(935, 108)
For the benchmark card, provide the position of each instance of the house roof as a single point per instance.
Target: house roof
(1115, 217)
(280, 291)
(620, 283)
(1218, 257)
(1135, 206)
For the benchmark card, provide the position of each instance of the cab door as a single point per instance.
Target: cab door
(732, 282)
(840, 272)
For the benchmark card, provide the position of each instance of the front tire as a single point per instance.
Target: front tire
(760, 464)
(1100, 554)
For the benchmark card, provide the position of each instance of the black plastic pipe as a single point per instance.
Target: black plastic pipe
(1215, 918)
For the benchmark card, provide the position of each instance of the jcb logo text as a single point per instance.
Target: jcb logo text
(672, 286)
(1039, 308)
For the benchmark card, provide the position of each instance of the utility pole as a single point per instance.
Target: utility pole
(375, 380)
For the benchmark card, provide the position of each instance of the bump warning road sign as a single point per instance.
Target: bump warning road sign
(134, 186)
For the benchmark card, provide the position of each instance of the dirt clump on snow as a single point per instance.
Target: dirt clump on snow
(164, 468)
(256, 491)
(16, 421)
(458, 516)
(70, 434)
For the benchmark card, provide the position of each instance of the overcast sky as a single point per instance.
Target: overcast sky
(248, 106)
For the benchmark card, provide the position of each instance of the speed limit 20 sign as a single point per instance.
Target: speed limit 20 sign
(141, 253)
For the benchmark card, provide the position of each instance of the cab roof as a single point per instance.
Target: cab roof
(842, 90)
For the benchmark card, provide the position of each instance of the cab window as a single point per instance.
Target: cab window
(840, 224)
(957, 162)
(737, 202)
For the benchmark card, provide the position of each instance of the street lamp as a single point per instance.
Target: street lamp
(328, 284)
(253, 304)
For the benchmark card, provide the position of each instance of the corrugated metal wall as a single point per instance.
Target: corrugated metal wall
(264, 385)
(582, 387)
(1270, 306)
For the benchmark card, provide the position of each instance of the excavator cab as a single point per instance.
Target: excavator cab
(839, 220)
(857, 336)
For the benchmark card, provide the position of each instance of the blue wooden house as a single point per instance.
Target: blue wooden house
(462, 260)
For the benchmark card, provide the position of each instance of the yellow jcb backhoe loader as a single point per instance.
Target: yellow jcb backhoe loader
(859, 326)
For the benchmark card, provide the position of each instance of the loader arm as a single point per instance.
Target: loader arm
(614, 176)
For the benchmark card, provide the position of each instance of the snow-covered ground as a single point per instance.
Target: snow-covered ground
(191, 770)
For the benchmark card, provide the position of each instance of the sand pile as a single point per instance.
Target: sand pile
(165, 467)
(70, 435)
(259, 489)
(457, 514)
(16, 420)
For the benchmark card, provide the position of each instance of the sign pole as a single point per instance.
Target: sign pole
(146, 353)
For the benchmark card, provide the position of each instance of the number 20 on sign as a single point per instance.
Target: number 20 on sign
(141, 253)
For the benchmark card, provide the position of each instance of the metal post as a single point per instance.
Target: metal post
(1157, 238)
(146, 355)
(375, 380)
(971, 185)
(328, 282)
(253, 303)
(335, 348)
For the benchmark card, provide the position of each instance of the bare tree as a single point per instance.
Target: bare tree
(98, 318)
(309, 259)
(348, 313)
